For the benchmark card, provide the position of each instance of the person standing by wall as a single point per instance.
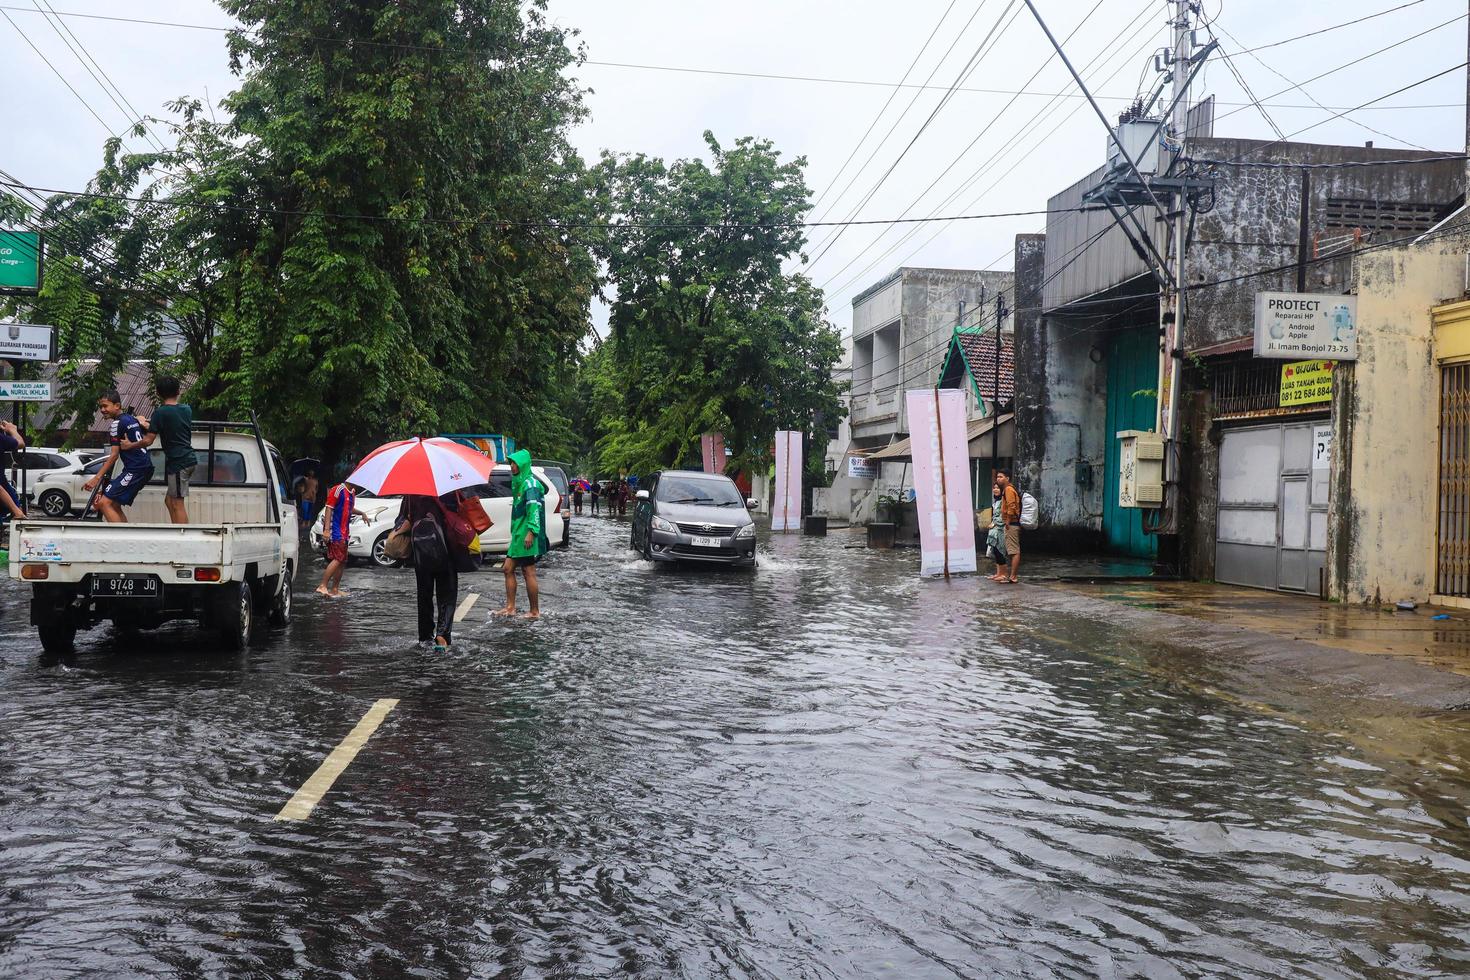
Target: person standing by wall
(336, 530)
(126, 435)
(173, 425)
(1010, 509)
(528, 541)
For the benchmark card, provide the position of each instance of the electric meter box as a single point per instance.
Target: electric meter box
(1141, 469)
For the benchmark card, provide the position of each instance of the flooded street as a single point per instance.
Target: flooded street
(825, 769)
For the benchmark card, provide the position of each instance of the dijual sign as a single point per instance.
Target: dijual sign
(1306, 383)
(1292, 326)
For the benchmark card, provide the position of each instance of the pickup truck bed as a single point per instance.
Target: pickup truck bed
(73, 550)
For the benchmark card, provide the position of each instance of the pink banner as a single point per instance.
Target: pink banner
(786, 510)
(941, 451)
(712, 450)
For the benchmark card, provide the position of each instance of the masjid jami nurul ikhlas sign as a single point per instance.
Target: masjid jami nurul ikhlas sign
(1302, 326)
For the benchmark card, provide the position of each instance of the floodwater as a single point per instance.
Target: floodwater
(824, 769)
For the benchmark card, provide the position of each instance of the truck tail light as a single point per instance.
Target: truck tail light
(35, 571)
(206, 574)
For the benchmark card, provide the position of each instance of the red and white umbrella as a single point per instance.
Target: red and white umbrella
(431, 467)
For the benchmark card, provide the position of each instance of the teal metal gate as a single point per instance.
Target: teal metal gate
(1133, 366)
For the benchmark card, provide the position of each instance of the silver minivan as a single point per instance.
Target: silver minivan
(689, 516)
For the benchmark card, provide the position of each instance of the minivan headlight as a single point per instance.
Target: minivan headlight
(659, 524)
(748, 531)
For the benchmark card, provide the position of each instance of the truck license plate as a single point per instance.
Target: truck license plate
(124, 586)
(706, 542)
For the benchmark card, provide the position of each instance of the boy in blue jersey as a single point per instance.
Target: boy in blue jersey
(128, 448)
(336, 533)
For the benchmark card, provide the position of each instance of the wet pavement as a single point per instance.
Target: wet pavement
(825, 769)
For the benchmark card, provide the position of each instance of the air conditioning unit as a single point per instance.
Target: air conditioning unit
(1141, 469)
(1140, 139)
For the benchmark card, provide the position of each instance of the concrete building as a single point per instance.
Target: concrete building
(902, 330)
(1253, 508)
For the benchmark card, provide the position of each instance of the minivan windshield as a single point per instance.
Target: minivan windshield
(676, 489)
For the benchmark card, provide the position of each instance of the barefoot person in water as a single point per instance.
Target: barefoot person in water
(528, 541)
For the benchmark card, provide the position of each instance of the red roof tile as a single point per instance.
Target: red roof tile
(979, 351)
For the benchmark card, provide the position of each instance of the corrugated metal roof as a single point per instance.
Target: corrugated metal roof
(903, 449)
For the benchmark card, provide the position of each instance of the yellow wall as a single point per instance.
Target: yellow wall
(1381, 533)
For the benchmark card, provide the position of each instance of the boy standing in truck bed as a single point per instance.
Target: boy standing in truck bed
(173, 425)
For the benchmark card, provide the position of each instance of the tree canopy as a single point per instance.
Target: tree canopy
(708, 330)
(388, 233)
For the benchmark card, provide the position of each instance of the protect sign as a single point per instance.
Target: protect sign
(786, 512)
(1297, 325)
(942, 480)
(1306, 383)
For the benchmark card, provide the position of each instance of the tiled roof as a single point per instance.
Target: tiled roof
(980, 353)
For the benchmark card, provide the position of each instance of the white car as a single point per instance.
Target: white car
(58, 492)
(38, 461)
(366, 535)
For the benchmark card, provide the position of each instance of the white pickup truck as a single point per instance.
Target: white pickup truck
(232, 562)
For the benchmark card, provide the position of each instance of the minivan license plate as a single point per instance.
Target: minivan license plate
(123, 586)
(706, 542)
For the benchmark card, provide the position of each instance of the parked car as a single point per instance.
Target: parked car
(232, 562)
(366, 534)
(37, 460)
(58, 492)
(689, 516)
(558, 477)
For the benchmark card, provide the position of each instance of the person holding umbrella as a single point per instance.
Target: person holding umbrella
(428, 472)
(528, 541)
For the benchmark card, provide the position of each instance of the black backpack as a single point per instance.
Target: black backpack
(429, 551)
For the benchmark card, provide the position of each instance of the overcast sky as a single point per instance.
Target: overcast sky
(1006, 155)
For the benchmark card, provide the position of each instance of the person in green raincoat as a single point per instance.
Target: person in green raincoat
(528, 541)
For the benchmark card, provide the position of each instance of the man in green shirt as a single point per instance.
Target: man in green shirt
(528, 541)
(173, 425)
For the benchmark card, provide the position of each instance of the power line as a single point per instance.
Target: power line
(442, 49)
(1339, 115)
(57, 72)
(1350, 64)
(998, 29)
(1334, 27)
(1302, 90)
(905, 111)
(79, 51)
(1095, 64)
(978, 136)
(502, 222)
(891, 95)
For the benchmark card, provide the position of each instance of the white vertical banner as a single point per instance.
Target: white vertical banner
(786, 510)
(937, 436)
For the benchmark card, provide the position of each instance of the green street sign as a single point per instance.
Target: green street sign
(20, 261)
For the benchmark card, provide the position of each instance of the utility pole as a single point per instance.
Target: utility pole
(1171, 294)
(1000, 316)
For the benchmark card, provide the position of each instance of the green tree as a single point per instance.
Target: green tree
(407, 160)
(708, 332)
